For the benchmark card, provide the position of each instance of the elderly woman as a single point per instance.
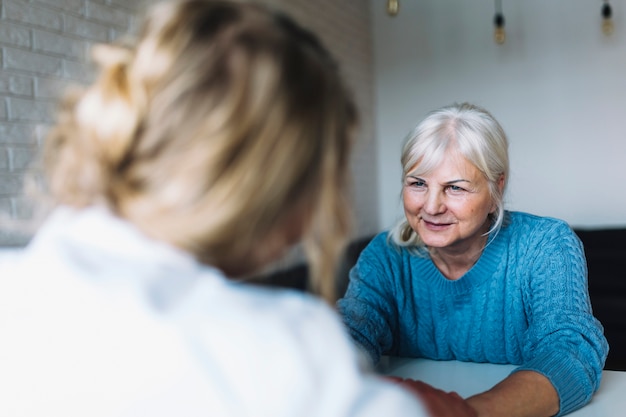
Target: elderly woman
(460, 278)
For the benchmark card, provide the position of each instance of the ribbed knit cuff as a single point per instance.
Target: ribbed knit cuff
(573, 385)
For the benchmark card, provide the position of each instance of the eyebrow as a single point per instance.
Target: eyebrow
(457, 181)
(417, 177)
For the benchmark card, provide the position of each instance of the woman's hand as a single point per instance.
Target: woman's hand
(438, 403)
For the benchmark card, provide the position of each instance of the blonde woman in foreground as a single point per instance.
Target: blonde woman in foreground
(203, 150)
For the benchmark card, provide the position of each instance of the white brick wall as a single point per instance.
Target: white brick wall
(43, 46)
(43, 49)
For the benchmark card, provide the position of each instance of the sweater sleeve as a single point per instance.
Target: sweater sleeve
(368, 308)
(564, 342)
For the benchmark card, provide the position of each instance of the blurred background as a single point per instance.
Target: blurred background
(557, 84)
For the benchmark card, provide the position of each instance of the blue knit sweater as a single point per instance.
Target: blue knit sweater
(524, 302)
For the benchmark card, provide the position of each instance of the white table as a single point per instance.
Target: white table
(471, 378)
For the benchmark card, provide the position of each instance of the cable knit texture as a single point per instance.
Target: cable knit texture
(524, 302)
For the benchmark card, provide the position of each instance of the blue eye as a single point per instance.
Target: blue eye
(412, 182)
(455, 189)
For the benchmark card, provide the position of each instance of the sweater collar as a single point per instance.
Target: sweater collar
(483, 270)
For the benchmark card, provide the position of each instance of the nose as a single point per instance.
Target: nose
(434, 203)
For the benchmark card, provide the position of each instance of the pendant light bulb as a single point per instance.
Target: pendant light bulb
(392, 7)
(607, 19)
(499, 34)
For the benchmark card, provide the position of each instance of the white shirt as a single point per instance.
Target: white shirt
(98, 320)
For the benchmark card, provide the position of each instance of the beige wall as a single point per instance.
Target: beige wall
(43, 45)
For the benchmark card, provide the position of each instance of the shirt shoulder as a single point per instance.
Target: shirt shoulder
(533, 226)
(382, 249)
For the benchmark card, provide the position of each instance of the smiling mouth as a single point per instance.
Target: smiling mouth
(432, 225)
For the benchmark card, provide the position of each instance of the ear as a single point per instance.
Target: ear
(501, 189)
(501, 183)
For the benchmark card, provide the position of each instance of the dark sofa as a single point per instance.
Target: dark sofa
(605, 250)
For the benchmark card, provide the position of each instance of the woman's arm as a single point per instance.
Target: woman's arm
(368, 308)
(521, 394)
(563, 348)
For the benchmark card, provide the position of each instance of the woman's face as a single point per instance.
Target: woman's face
(449, 206)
